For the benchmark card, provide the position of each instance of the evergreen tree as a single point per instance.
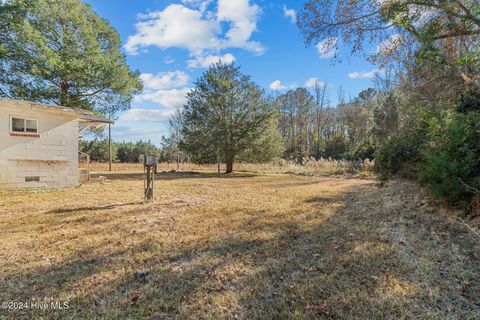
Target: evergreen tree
(226, 114)
(62, 52)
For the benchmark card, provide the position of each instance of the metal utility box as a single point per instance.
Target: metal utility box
(151, 160)
(148, 160)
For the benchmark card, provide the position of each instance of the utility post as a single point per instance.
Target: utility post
(149, 164)
(109, 145)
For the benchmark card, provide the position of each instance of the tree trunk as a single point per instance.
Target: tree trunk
(218, 161)
(178, 159)
(229, 166)
(64, 94)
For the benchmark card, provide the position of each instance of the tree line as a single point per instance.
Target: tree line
(311, 127)
(228, 118)
(427, 114)
(124, 152)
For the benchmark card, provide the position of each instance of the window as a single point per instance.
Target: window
(31, 126)
(25, 126)
(18, 125)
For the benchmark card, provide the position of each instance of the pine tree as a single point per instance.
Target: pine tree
(62, 52)
(225, 115)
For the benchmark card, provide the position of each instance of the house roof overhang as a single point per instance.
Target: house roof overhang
(87, 119)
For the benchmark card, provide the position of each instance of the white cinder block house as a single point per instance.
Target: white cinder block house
(39, 144)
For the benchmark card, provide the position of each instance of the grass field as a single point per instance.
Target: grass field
(321, 167)
(247, 246)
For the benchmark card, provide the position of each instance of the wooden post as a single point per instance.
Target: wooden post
(144, 181)
(149, 170)
(149, 183)
(109, 147)
(153, 181)
(88, 167)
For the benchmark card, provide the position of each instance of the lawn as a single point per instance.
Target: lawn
(247, 246)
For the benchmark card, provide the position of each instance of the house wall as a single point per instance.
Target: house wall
(52, 156)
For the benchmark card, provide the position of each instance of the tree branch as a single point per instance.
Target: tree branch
(92, 93)
(457, 34)
(469, 81)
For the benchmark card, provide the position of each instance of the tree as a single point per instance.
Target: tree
(320, 120)
(172, 144)
(269, 145)
(358, 22)
(225, 114)
(98, 149)
(438, 26)
(62, 52)
(296, 110)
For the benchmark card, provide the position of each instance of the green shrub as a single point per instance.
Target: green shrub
(452, 159)
(364, 150)
(401, 152)
(336, 147)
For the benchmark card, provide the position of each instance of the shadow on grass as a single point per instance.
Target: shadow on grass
(344, 266)
(97, 208)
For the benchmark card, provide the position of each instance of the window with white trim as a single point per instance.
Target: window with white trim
(23, 125)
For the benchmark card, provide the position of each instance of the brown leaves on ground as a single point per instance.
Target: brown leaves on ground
(244, 246)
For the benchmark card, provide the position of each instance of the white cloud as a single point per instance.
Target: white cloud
(148, 115)
(197, 29)
(363, 75)
(176, 26)
(327, 48)
(243, 22)
(166, 80)
(173, 98)
(277, 85)
(201, 61)
(290, 13)
(166, 89)
(310, 83)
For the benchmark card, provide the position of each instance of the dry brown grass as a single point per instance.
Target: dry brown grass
(137, 167)
(245, 246)
(321, 167)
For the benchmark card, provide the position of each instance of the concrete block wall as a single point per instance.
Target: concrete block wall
(52, 156)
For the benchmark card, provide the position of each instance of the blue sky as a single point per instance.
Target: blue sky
(172, 42)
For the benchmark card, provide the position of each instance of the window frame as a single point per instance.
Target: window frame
(25, 132)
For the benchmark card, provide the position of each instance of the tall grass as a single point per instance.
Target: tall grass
(307, 166)
(311, 166)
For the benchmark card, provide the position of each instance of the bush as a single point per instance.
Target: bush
(364, 151)
(336, 147)
(452, 162)
(401, 152)
(98, 150)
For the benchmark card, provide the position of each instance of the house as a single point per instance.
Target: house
(39, 144)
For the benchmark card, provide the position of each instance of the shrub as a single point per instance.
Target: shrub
(336, 146)
(452, 162)
(363, 151)
(401, 152)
